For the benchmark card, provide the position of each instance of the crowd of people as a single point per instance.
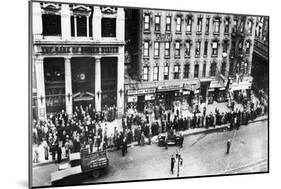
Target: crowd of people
(83, 129)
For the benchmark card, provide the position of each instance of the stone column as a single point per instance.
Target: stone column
(75, 26)
(120, 24)
(88, 25)
(37, 25)
(65, 22)
(68, 86)
(97, 24)
(98, 84)
(40, 84)
(120, 82)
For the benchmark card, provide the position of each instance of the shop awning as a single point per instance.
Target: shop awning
(141, 91)
(83, 98)
(169, 88)
(216, 84)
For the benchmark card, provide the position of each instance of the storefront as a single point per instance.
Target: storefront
(142, 100)
(241, 88)
(169, 96)
(216, 91)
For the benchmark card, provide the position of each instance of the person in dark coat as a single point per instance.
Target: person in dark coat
(59, 151)
(228, 143)
(172, 164)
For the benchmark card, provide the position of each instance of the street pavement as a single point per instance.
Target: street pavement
(203, 154)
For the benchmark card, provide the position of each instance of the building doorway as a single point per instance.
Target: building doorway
(83, 81)
(108, 81)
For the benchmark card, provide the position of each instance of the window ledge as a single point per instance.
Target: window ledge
(167, 57)
(198, 33)
(188, 33)
(156, 57)
(178, 33)
(214, 55)
(206, 33)
(187, 56)
(216, 33)
(157, 32)
(177, 57)
(146, 32)
(168, 32)
(197, 56)
(145, 57)
(226, 33)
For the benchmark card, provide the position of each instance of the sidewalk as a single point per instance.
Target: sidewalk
(154, 139)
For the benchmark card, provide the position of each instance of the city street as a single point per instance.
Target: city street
(203, 154)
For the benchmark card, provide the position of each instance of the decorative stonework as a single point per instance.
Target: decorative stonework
(108, 10)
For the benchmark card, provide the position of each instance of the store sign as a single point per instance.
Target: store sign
(216, 84)
(141, 91)
(169, 87)
(149, 97)
(246, 83)
(132, 98)
(186, 92)
(78, 50)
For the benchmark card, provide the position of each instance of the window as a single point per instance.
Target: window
(178, 24)
(248, 47)
(226, 26)
(206, 48)
(186, 71)
(189, 24)
(250, 26)
(198, 47)
(199, 24)
(157, 23)
(108, 27)
(204, 70)
(187, 49)
(223, 68)
(231, 68)
(166, 73)
(207, 25)
(145, 73)
(168, 23)
(196, 71)
(224, 47)
(176, 72)
(146, 23)
(81, 26)
(156, 49)
(51, 24)
(215, 48)
(155, 73)
(235, 23)
(177, 49)
(167, 48)
(217, 26)
(213, 69)
(146, 49)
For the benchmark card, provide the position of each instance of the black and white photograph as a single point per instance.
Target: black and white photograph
(126, 94)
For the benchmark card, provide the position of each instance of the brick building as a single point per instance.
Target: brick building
(190, 57)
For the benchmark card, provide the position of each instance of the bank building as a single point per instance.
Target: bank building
(77, 57)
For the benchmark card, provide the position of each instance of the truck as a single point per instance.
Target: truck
(79, 164)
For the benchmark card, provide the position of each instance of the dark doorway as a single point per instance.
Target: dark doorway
(54, 84)
(140, 104)
(108, 81)
(83, 81)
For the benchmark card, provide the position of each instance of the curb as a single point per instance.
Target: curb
(210, 130)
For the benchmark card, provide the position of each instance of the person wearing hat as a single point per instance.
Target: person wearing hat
(172, 164)
(228, 143)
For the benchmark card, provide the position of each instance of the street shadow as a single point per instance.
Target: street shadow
(198, 139)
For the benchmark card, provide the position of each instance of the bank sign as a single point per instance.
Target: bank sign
(76, 50)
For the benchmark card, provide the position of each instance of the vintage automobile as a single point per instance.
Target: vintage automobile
(170, 138)
(80, 163)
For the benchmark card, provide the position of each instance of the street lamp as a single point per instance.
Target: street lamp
(41, 99)
(68, 96)
(120, 91)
